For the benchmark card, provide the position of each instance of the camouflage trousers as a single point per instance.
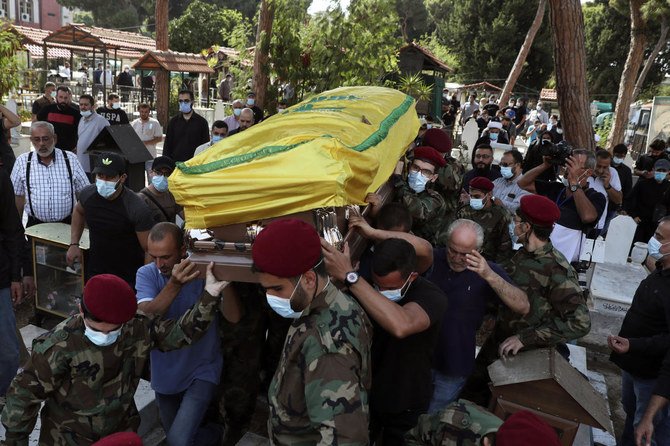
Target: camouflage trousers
(251, 351)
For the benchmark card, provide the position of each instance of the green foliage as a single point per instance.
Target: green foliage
(607, 38)
(10, 67)
(203, 25)
(604, 130)
(357, 48)
(84, 17)
(414, 86)
(485, 40)
(118, 14)
(440, 51)
(414, 20)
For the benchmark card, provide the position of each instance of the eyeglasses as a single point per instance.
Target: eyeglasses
(483, 156)
(424, 172)
(38, 139)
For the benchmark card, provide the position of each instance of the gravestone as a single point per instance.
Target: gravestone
(470, 135)
(619, 238)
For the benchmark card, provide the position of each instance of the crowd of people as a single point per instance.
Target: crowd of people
(388, 357)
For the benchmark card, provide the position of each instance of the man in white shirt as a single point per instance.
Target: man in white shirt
(606, 180)
(90, 126)
(219, 131)
(505, 189)
(150, 132)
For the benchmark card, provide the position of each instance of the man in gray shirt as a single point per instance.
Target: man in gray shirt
(505, 189)
(90, 126)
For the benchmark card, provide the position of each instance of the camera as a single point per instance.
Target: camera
(557, 153)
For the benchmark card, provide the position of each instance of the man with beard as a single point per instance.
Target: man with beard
(64, 117)
(186, 130)
(644, 168)
(246, 120)
(492, 133)
(481, 162)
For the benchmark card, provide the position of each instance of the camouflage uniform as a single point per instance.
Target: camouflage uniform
(461, 423)
(448, 184)
(558, 311)
(89, 390)
(427, 209)
(319, 394)
(495, 221)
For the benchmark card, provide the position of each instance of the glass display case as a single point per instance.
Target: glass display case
(58, 286)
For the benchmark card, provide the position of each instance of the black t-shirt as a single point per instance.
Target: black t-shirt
(183, 136)
(401, 368)
(647, 325)
(492, 109)
(113, 227)
(491, 174)
(114, 116)
(569, 216)
(65, 122)
(646, 162)
(520, 111)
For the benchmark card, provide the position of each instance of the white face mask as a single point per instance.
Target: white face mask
(282, 306)
(86, 113)
(116, 105)
(417, 182)
(99, 338)
(506, 172)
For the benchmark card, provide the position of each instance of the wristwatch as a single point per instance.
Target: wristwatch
(608, 187)
(574, 187)
(351, 278)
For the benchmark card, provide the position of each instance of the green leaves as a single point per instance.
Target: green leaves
(10, 70)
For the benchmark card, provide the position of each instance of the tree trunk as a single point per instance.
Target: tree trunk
(662, 41)
(523, 53)
(629, 75)
(263, 37)
(162, 76)
(567, 24)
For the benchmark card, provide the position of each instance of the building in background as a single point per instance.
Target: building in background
(44, 14)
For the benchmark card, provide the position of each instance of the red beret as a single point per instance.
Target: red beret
(539, 210)
(110, 299)
(286, 248)
(120, 439)
(429, 155)
(438, 140)
(481, 183)
(526, 429)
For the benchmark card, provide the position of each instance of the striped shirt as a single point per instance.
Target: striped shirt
(50, 188)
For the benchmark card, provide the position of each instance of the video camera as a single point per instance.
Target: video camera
(557, 153)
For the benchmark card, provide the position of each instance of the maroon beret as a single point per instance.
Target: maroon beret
(286, 248)
(539, 210)
(429, 155)
(120, 439)
(110, 299)
(438, 140)
(526, 429)
(481, 183)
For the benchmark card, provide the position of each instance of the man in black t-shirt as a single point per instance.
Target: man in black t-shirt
(64, 117)
(113, 111)
(580, 205)
(644, 167)
(118, 223)
(406, 311)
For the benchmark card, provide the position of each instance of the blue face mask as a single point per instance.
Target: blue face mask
(86, 114)
(477, 203)
(251, 102)
(617, 160)
(654, 248)
(417, 182)
(493, 136)
(282, 306)
(160, 182)
(216, 138)
(185, 107)
(106, 188)
(660, 176)
(395, 295)
(506, 172)
(101, 339)
(237, 111)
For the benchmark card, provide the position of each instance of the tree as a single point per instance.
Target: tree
(414, 21)
(485, 40)
(354, 49)
(162, 76)
(10, 45)
(653, 9)
(567, 24)
(201, 26)
(120, 14)
(263, 37)
(523, 53)
(629, 75)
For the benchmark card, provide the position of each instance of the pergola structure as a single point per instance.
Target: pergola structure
(174, 62)
(90, 39)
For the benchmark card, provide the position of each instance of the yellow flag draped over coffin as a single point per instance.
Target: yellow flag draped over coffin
(330, 150)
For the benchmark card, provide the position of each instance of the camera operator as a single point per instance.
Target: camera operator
(580, 205)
